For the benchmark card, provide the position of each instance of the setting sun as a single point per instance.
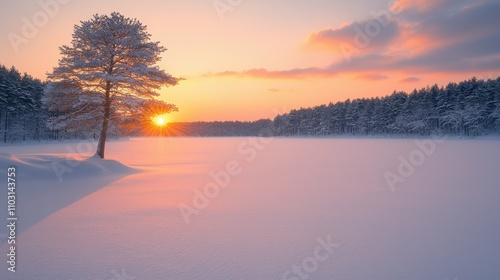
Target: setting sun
(160, 121)
(158, 125)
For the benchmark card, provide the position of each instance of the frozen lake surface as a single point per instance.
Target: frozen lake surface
(238, 209)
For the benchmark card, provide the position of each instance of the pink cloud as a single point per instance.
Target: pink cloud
(373, 35)
(443, 36)
(372, 77)
(297, 73)
(410, 80)
(420, 6)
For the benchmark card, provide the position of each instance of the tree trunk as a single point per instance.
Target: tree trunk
(102, 138)
(105, 121)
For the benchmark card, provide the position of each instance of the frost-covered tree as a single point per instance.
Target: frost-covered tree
(107, 72)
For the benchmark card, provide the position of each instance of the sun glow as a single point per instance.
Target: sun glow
(160, 121)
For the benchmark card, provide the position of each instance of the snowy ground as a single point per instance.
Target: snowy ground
(257, 209)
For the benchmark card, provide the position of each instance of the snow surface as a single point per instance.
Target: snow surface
(48, 183)
(441, 223)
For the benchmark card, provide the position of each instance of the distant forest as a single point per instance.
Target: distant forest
(470, 108)
(218, 129)
(22, 116)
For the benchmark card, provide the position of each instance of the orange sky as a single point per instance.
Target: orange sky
(251, 59)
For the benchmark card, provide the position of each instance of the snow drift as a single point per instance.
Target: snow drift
(47, 183)
(49, 167)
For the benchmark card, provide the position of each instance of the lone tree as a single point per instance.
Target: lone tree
(105, 76)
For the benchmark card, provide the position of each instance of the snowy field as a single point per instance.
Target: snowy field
(245, 209)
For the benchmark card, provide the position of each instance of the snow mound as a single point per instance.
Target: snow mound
(48, 167)
(51, 182)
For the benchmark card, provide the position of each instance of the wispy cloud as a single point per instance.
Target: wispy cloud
(274, 90)
(426, 36)
(372, 77)
(297, 73)
(280, 90)
(410, 80)
(332, 39)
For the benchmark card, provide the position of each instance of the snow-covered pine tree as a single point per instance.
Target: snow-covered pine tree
(109, 69)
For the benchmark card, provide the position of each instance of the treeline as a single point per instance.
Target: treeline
(21, 114)
(470, 108)
(218, 129)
